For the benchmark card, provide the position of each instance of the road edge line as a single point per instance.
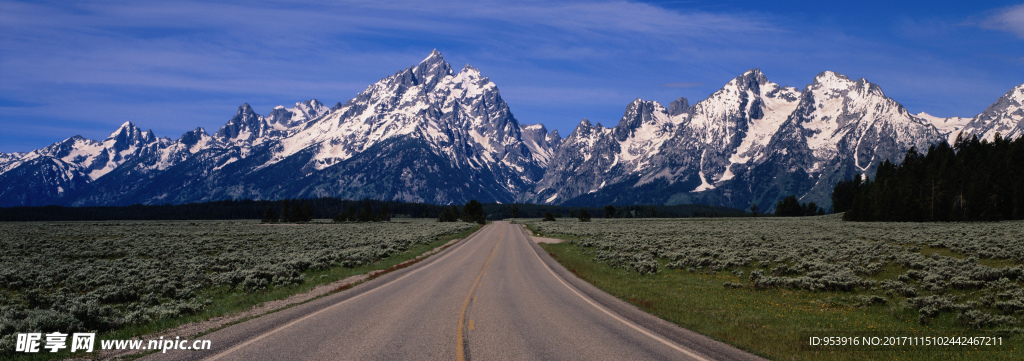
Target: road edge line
(447, 252)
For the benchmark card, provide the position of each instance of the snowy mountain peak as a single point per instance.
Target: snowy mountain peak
(554, 135)
(126, 127)
(127, 136)
(541, 143)
(283, 119)
(431, 69)
(245, 125)
(193, 137)
(1004, 117)
(832, 80)
(1016, 94)
(950, 127)
(428, 134)
(751, 79)
(640, 113)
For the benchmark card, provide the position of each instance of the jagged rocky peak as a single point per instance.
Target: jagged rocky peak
(535, 131)
(469, 83)
(194, 136)
(1005, 117)
(678, 107)
(841, 85)
(431, 70)
(282, 118)
(128, 135)
(1013, 99)
(584, 126)
(246, 124)
(639, 113)
(554, 138)
(752, 79)
(831, 80)
(541, 143)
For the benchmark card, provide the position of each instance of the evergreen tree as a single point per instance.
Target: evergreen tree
(548, 217)
(609, 211)
(788, 207)
(449, 214)
(269, 216)
(974, 180)
(286, 211)
(306, 213)
(515, 211)
(473, 211)
(584, 215)
(366, 215)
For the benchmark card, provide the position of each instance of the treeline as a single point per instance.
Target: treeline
(318, 208)
(334, 208)
(970, 181)
(519, 210)
(791, 207)
(473, 211)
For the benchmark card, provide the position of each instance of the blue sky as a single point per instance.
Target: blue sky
(84, 68)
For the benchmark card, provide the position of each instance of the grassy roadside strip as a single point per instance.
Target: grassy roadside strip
(773, 323)
(224, 301)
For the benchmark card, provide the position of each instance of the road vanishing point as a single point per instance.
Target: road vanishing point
(494, 296)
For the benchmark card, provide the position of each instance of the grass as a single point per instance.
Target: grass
(775, 323)
(225, 301)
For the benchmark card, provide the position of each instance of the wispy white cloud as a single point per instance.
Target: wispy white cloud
(1009, 19)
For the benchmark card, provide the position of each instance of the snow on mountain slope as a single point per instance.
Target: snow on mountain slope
(288, 119)
(431, 134)
(8, 159)
(950, 127)
(460, 115)
(748, 142)
(839, 129)
(456, 121)
(735, 123)
(1005, 117)
(855, 117)
(541, 143)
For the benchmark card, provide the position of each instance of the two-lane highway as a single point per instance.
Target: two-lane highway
(494, 296)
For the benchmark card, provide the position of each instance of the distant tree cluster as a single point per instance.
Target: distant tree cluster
(970, 181)
(473, 211)
(791, 207)
(291, 212)
(449, 214)
(609, 211)
(366, 214)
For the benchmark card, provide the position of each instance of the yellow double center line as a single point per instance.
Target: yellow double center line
(460, 352)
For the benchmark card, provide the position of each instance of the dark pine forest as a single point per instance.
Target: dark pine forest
(970, 181)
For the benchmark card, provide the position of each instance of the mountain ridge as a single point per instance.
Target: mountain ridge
(431, 134)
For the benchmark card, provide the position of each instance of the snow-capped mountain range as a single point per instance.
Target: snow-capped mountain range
(431, 134)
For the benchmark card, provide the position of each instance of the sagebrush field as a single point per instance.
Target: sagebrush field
(807, 276)
(100, 276)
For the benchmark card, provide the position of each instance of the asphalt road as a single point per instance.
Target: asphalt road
(494, 296)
